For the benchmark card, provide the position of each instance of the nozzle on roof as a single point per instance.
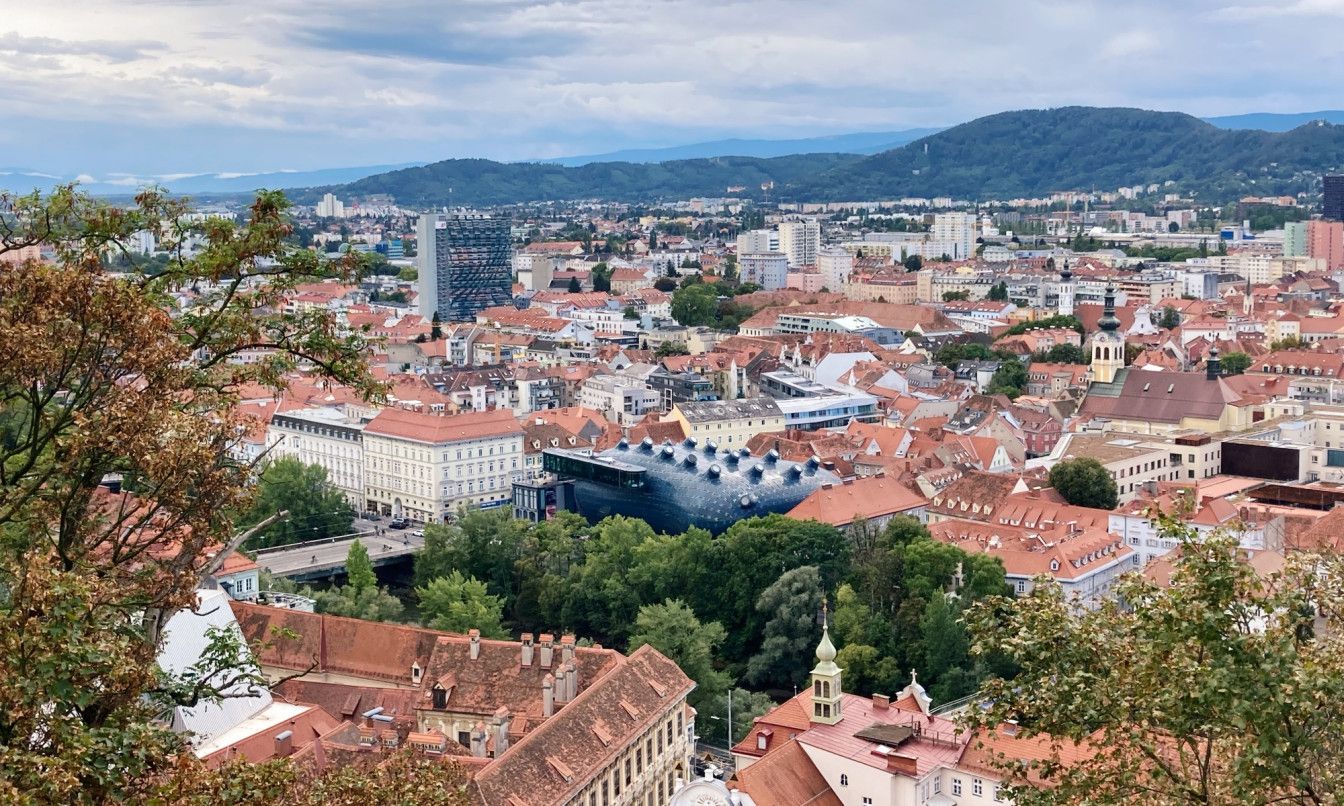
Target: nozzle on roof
(714, 471)
(690, 442)
(624, 444)
(646, 443)
(758, 469)
(690, 460)
(710, 446)
(796, 470)
(668, 452)
(813, 462)
(772, 456)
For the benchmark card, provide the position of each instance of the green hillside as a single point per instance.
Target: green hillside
(1012, 154)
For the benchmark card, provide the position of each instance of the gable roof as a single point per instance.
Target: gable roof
(786, 777)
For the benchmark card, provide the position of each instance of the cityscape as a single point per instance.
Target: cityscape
(984, 449)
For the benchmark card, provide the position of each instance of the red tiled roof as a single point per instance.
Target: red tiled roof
(437, 429)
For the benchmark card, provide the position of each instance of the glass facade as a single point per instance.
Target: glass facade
(471, 259)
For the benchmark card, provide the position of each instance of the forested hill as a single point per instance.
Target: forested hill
(1012, 154)
(1031, 153)
(484, 182)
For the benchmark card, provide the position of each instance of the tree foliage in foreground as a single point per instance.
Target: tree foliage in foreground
(1223, 688)
(316, 508)
(108, 374)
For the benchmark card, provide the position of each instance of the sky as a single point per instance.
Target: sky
(98, 87)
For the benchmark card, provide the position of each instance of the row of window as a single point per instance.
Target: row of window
(651, 746)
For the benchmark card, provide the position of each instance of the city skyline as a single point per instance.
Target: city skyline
(168, 87)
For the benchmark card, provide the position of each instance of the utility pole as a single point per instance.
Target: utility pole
(730, 719)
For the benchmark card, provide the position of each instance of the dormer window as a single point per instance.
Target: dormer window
(416, 671)
(1054, 565)
(440, 697)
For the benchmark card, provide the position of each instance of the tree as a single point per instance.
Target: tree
(458, 603)
(713, 715)
(1287, 343)
(694, 305)
(1064, 353)
(601, 274)
(359, 568)
(316, 509)
(408, 274)
(665, 284)
(1235, 363)
(370, 603)
(436, 327)
(574, 287)
(1009, 379)
(999, 292)
(946, 661)
(913, 263)
(1173, 227)
(483, 543)
(792, 603)
(1170, 318)
(1084, 482)
(953, 296)
(1222, 686)
(867, 670)
(98, 380)
(668, 348)
(672, 629)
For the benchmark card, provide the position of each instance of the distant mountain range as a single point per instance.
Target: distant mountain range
(969, 161)
(22, 180)
(1274, 121)
(858, 143)
(1011, 154)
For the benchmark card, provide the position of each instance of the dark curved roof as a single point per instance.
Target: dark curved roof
(696, 485)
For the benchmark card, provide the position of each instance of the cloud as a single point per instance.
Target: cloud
(112, 51)
(167, 86)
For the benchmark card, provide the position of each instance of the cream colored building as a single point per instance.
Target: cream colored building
(729, 423)
(424, 466)
(330, 437)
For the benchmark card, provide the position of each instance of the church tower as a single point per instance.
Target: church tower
(1108, 346)
(1066, 290)
(826, 696)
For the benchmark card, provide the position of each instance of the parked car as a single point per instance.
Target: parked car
(398, 524)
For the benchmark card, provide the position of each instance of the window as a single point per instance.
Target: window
(977, 787)
(867, 802)
(956, 787)
(844, 780)
(937, 786)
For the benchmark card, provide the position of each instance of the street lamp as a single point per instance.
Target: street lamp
(729, 726)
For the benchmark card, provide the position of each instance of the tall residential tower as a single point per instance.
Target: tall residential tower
(465, 264)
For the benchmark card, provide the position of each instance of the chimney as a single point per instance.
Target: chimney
(284, 743)
(547, 650)
(881, 702)
(501, 731)
(548, 695)
(571, 681)
(475, 636)
(567, 647)
(478, 740)
(527, 649)
(904, 765)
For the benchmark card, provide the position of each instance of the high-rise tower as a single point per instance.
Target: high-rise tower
(465, 264)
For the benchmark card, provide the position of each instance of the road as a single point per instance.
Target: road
(329, 556)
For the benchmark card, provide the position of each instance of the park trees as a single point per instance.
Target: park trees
(792, 604)
(457, 603)
(360, 596)
(673, 629)
(316, 509)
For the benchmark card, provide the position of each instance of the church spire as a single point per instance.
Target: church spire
(1108, 321)
(826, 693)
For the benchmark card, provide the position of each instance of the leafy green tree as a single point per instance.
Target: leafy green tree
(574, 287)
(665, 284)
(1009, 379)
(792, 603)
(1050, 322)
(1084, 482)
(1221, 686)
(867, 670)
(457, 603)
(1287, 343)
(601, 600)
(485, 544)
(601, 274)
(359, 568)
(669, 348)
(316, 509)
(999, 292)
(1235, 363)
(1170, 318)
(672, 629)
(953, 296)
(913, 263)
(946, 651)
(694, 305)
(712, 716)
(408, 274)
(1063, 354)
(369, 603)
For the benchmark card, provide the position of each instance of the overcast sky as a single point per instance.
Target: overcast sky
(99, 86)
